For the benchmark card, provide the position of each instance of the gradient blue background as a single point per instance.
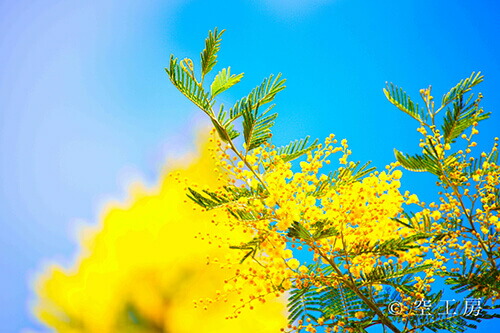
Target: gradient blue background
(86, 107)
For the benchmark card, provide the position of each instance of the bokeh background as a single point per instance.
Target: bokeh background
(86, 107)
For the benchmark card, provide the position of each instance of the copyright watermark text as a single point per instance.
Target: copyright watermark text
(470, 307)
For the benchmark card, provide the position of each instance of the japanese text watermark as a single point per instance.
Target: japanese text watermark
(423, 307)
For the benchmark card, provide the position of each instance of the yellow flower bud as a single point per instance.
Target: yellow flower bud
(303, 269)
(293, 263)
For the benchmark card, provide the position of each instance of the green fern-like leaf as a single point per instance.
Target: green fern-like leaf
(260, 95)
(245, 215)
(211, 200)
(267, 90)
(304, 303)
(296, 148)
(323, 229)
(461, 116)
(398, 97)
(223, 81)
(342, 177)
(312, 302)
(183, 79)
(384, 273)
(353, 173)
(298, 231)
(257, 127)
(395, 245)
(209, 54)
(251, 247)
(481, 282)
(418, 163)
(342, 302)
(462, 87)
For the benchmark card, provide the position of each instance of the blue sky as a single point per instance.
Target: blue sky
(86, 107)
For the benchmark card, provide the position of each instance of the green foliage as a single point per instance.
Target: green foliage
(343, 177)
(257, 126)
(393, 246)
(298, 232)
(209, 54)
(324, 230)
(266, 91)
(305, 303)
(334, 303)
(464, 111)
(296, 148)
(385, 274)
(184, 80)
(209, 200)
(212, 200)
(463, 87)
(476, 282)
(251, 247)
(223, 81)
(343, 302)
(402, 101)
(418, 163)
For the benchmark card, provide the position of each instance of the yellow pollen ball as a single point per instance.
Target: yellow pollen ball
(397, 174)
(293, 263)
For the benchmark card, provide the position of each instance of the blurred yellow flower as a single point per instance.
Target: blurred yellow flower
(144, 266)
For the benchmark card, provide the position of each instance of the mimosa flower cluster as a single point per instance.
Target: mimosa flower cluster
(343, 221)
